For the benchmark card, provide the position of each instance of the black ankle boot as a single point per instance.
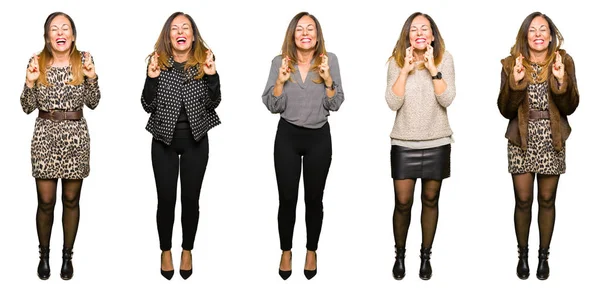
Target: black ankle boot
(66, 270)
(43, 269)
(543, 269)
(523, 265)
(425, 270)
(399, 270)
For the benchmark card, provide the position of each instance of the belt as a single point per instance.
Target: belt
(537, 115)
(59, 115)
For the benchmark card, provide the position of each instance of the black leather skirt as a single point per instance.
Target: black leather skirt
(430, 163)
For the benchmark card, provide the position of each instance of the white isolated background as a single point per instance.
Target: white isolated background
(237, 245)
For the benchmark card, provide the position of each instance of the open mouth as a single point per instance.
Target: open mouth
(305, 40)
(181, 40)
(61, 41)
(538, 41)
(420, 40)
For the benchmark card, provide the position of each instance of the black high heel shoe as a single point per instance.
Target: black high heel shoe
(425, 270)
(167, 274)
(43, 269)
(286, 274)
(399, 270)
(309, 274)
(186, 273)
(543, 269)
(66, 270)
(523, 265)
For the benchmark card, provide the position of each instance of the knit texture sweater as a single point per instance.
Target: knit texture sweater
(420, 113)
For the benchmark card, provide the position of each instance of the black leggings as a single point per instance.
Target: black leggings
(295, 146)
(191, 157)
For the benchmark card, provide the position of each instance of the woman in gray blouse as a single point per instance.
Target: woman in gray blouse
(304, 85)
(420, 86)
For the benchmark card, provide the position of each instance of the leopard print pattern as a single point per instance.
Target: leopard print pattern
(540, 156)
(60, 149)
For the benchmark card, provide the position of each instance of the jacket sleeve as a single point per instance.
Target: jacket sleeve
(512, 93)
(566, 96)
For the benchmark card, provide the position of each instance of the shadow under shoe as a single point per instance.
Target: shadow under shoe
(523, 265)
(43, 269)
(66, 270)
(309, 274)
(166, 274)
(425, 269)
(399, 270)
(285, 274)
(543, 269)
(185, 274)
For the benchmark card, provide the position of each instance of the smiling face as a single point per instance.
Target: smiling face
(60, 34)
(420, 34)
(538, 36)
(182, 34)
(305, 35)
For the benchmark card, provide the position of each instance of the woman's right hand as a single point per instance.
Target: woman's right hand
(409, 60)
(519, 70)
(33, 72)
(153, 67)
(284, 71)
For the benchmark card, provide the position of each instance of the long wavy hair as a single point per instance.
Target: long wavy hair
(165, 50)
(290, 50)
(46, 58)
(521, 46)
(399, 52)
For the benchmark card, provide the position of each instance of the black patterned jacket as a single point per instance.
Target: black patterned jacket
(162, 97)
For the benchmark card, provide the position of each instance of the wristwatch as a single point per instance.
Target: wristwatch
(437, 76)
(332, 87)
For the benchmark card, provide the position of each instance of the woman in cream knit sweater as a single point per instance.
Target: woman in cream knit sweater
(420, 86)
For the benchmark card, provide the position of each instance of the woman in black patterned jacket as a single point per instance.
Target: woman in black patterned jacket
(181, 93)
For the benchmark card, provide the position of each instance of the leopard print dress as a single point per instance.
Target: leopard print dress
(540, 156)
(60, 149)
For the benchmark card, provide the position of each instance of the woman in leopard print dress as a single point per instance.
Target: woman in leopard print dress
(59, 81)
(538, 91)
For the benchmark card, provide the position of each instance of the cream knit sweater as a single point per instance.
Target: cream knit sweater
(420, 113)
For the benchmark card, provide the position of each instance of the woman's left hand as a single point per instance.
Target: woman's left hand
(324, 68)
(89, 70)
(558, 68)
(429, 60)
(209, 64)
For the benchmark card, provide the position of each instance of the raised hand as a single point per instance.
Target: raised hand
(558, 69)
(33, 71)
(89, 70)
(429, 60)
(209, 64)
(409, 60)
(153, 68)
(519, 70)
(284, 70)
(324, 68)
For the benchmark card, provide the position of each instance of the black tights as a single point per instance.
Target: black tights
(46, 193)
(430, 193)
(523, 186)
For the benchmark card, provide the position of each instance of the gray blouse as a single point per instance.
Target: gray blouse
(304, 104)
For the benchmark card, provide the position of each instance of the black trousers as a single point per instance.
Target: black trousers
(191, 158)
(295, 146)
